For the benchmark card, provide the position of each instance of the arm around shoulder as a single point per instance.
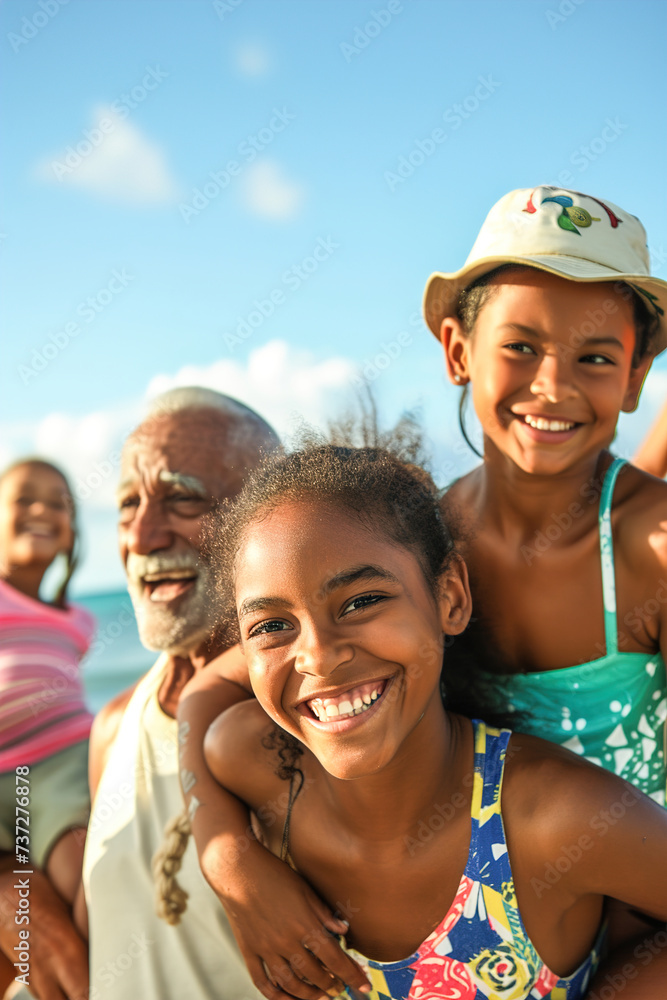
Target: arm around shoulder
(236, 755)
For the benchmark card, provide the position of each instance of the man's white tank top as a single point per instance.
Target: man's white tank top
(133, 953)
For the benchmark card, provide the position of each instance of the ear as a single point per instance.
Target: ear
(457, 349)
(455, 602)
(636, 384)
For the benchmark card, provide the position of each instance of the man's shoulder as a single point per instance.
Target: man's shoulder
(104, 732)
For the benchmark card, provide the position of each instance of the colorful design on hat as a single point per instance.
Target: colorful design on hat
(573, 217)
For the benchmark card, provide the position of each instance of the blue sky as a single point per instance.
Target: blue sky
(133, 282)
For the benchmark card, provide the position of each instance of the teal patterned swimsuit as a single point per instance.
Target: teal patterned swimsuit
(480, 950)
(611, 710)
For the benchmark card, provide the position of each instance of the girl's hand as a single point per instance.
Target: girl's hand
(281, 926)
(284, 931)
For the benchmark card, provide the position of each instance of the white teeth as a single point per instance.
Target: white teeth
(174, 574)
(541, 424)
(344, 709)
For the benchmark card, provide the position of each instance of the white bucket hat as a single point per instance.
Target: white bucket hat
(566, 233)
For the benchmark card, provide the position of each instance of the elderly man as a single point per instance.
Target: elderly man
(193, 450)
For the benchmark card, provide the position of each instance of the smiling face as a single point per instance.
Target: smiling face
(35, 516)
(342, 634)
(550, 362)
(173, 470)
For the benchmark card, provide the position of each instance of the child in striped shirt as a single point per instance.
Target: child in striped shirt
(44, 722)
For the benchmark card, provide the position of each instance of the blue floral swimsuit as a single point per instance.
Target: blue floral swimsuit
(480, 950)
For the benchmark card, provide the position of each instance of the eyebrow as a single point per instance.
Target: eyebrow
(190, 483)
(181, 479)
(342, 579)
(530, 331)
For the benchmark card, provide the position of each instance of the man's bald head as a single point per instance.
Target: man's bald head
(239, 433)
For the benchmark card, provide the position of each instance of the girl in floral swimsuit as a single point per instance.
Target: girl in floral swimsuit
(469, 862)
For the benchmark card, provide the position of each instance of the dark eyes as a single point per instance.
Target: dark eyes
(280, 625)
(520, 348)
(275, 625)
(364, 601)
(527, 350)
(186, 504)
(597, 359)
(28, 501)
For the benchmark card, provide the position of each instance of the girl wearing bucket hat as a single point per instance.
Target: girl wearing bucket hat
(553, 323)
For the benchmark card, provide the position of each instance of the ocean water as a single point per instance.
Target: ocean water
(116, 658)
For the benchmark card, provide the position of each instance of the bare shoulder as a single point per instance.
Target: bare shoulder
(237, 748)
(104, 732)
(459, 505)
(553, 793)
(642, 522)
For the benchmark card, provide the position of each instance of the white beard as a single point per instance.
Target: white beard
(178, 630)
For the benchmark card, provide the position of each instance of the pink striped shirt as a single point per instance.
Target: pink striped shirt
(42, 706)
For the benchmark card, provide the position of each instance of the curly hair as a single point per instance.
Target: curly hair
(384, 490)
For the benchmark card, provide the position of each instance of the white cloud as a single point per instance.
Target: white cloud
(269, 193)
(114, 160)
(285, 385)
(282, 383)
(252, 59)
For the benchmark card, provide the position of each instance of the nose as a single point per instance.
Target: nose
(318, 652)
(552, 380)
(148, 530)
(38, 507)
